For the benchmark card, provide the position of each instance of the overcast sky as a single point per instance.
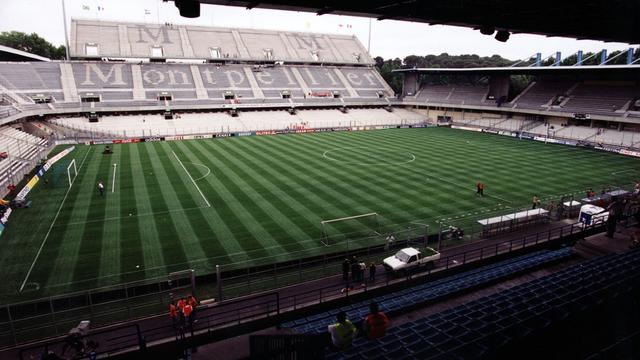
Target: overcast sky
(389, 39)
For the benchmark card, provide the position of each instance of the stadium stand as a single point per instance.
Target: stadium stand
(540, 93)
(525, 321)
(430, 292)
(100, 39)
(119, 82)
(219, 122)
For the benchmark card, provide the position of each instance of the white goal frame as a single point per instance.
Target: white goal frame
(75, 171)
(324, 238)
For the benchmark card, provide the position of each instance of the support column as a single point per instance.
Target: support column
(123, 39)
(138, 85)
(242, 49)
(187, 49)
(300, 80)
(201, 92)
(68, 83)
(333, 49)
(257, 92)
(352, 92)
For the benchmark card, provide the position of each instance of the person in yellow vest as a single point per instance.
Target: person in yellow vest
(342, 332)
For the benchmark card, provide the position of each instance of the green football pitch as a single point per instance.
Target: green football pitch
(171, 206)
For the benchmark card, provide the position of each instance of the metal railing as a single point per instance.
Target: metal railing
(246, 309)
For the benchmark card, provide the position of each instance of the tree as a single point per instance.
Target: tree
(32, 43)
(444, 60)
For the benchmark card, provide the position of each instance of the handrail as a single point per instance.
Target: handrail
(238, 310)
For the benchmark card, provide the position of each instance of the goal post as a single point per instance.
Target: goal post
(72, 167)
(348, 228)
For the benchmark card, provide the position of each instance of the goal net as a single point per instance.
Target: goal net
(72, 171)
(350, 228)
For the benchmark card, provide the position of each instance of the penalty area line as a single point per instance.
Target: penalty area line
(44, 241)
(190, 177)
(113, 183)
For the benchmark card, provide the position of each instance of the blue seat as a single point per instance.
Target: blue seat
(411, 339)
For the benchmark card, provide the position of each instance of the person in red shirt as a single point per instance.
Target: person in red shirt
(375, 324)
(181, 304)
(187, 311)
(191, 300)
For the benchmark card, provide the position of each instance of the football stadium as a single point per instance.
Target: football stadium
(179, 191)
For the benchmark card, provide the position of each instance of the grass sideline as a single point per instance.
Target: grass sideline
(255, 200)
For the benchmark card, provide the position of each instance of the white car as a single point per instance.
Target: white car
(410, 258)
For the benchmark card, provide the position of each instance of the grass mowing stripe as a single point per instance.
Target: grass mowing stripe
(227, 206)
(287, 176)
(455, 184)
(389, 207)
(44, 241)
(148, 226)
(168, 234)
(324, 184)
(264, 196)
(417, 177)
(177, 194)
(110, 251)
(87, 262)
(318, 198)
(303, 205)
(62, 271)
(193, 181)
(210, 229)
(255, 215)
(130, 241)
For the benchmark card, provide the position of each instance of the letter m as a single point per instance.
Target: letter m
(307, 42)
(115, 72)
(162, 32)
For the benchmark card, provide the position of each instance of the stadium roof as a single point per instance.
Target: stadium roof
(11, 54)
(612, 20)
(533, 70)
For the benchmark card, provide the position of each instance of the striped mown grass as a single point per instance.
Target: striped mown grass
(257, 200)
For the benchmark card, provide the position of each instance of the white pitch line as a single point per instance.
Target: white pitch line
(113, 184)
(33, 263)
(201, 165)
(190, 177)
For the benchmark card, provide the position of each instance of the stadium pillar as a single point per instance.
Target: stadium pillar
(558, 58)
(219, 282)
(538, 59)
(629, 56)
(603, 56)
(193, 282)
(579, 61)
(410, 84)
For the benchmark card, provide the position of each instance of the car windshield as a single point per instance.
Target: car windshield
(402, 256)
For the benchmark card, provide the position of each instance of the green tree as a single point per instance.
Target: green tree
(385, 67)
(32, 43)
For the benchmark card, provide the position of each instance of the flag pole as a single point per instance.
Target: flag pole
(369, 41)
(66, 32)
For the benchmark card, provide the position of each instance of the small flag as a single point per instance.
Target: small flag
(147, 12)
(86, 7)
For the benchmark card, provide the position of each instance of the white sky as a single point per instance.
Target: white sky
(389, 39)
